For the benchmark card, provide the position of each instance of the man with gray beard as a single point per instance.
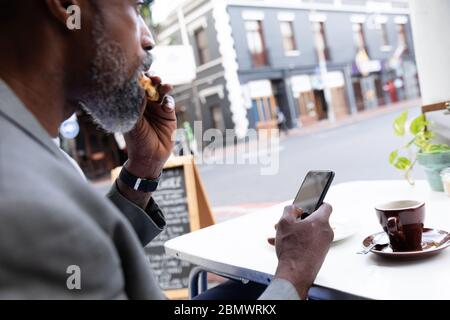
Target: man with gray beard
(59, 238)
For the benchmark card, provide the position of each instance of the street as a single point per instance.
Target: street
(355, 152)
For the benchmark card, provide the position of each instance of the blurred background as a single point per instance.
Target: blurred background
(333, 74)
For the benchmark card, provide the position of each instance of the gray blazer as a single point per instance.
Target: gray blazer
(51, 219)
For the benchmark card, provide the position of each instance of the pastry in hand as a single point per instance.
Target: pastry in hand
(147, 85)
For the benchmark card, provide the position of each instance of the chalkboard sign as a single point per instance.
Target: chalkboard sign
(173, 274)
(182, 198)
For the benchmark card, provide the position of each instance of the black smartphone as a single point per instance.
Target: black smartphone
(312, 193)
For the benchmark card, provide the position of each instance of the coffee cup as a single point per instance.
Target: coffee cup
(403, 221)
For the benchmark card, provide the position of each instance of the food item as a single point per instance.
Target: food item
(147, 85)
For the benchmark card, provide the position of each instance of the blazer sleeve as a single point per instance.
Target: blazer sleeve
(280, 289)
(148, 223)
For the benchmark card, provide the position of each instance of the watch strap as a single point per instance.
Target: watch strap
(139, 184)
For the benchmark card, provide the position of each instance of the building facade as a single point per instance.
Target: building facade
(313, 60)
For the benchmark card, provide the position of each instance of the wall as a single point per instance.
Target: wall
(338, 27)
(431, 33)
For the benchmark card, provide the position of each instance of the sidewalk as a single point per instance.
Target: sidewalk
(361, 116)
(323, 125)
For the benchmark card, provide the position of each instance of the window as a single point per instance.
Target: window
(217, 118)
(287, 33)
(265, 108)
(321, 40)
(384, 35)
(359, 36)
(202, 46)
(254, 36)
(402, 39)
(256, 44)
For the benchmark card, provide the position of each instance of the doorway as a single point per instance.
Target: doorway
(321, 104)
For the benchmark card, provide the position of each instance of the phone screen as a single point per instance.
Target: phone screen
(313, 190)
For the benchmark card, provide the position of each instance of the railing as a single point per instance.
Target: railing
(327, 52)
(260, 59)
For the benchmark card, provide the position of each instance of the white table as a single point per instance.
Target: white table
(238, 247)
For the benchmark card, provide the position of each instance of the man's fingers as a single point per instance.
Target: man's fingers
(166, 105)
(292, 213)
(156, 80)
(169, 104)
(324, 212)
(162, 113)
(163, 90)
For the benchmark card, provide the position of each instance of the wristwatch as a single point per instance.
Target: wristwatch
(139, 184)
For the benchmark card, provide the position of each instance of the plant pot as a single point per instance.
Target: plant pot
(434, 163)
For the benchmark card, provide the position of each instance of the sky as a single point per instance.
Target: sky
(161, 8)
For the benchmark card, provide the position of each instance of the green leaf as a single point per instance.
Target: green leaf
(393, 157)
(399, 124)
(418, 125)
(403, 163)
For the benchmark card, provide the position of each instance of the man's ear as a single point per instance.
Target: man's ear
(59, 9)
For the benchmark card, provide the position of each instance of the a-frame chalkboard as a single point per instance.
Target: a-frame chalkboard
(182, 198)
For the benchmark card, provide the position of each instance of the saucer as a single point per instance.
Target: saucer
(432, 243)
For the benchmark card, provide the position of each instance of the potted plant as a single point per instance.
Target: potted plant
(433, 157)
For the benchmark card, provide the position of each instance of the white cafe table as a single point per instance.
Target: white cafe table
(238, 247)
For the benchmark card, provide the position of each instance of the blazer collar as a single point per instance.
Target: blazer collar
(14, 111)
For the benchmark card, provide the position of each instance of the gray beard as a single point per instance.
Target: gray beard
(114, 100)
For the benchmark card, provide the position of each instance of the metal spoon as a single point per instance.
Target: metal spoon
(375, 242)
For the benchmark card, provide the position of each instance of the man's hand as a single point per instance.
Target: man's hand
(302, 246)
(150, 143)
